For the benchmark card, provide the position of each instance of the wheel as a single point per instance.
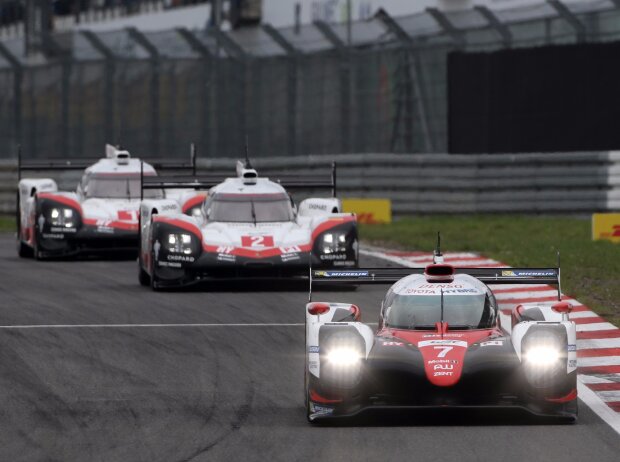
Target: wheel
(23, 250)
(153, 278)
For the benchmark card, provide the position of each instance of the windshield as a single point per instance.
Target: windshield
(472, 311)
(264, 208)
(118, 187)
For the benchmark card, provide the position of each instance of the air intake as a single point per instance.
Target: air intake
(439, 273)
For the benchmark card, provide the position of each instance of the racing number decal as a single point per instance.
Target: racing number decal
(129, 215)
(257, 241)
(444, 351)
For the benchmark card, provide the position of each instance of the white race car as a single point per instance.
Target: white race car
(244, 226)
(101, 215)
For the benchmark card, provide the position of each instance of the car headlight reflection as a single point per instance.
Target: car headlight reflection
(62, 217)
(334, 243)
(179, 243)
(343, 357)
(542, 356)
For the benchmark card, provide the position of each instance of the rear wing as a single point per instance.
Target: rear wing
(82, 163)
(287, 181)
(506, 275)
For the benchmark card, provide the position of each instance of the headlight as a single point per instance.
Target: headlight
(334, 243)
(179, 243)
(196, 212)
(61, 216)
(542, 356)
(343, 357)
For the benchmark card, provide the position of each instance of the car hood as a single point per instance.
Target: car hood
(256, 237)
(111, 209)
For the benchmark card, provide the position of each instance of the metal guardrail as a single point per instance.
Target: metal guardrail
(437, 183)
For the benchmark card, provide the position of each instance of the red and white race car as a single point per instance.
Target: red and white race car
(102, 214)
(246, 226)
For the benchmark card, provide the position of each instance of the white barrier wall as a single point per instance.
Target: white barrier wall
(436, 183)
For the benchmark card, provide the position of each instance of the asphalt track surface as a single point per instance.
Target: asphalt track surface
(211, 392)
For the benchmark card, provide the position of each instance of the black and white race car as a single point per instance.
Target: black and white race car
(440, 344)
(243, 226)
(100, 215)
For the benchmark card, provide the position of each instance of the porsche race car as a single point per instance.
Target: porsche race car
(243, 226)
(440, 344)
(101, 215)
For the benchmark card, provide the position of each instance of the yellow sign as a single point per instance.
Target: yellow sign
(606, 226)
(369, 210)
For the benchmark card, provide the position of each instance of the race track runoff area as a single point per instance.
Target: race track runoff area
(94, 367)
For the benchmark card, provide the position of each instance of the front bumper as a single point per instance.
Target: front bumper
(57, 243)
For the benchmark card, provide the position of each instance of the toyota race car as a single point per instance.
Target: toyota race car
(440, 344)
(245, 226)
(102, 214)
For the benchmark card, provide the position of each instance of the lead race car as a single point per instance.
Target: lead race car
(101, 215)
(244, 226)
(440, 344)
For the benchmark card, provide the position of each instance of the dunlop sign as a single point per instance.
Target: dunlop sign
(606, 226)
(369, 210)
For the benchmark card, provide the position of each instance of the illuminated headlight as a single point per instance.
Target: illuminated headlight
(343, 357)
(542, 356)
(179, 243)
(334, 243)
(61, 216)
(196, 212)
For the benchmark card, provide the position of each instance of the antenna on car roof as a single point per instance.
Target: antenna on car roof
(437, 255)
(247, 154)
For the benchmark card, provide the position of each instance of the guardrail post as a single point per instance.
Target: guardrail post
(292, 53)
(141, 40)
(416, 81)
(570, 18)
(17, 92)
(110, 70)
(208, 138)
(345, 81)
(495, 23)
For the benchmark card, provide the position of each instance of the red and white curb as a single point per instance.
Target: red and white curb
(598, 341)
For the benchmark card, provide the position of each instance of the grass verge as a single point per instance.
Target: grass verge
(7, 224)
(590, 270)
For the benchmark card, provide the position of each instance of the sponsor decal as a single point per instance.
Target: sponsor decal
(392, 343)
(443, 342)
(572, 347)
(340, 274)
(434, 291)
(168, 207)
(105, 229)
(317, 409)
(291, 249)
(289, 257)
(313, 349)
(441, 286)
(606, 226)
(442, 374)
(313, 365)
(442, 361)
(183, 258)
(225, 249)
(344, 263)
(572, 363)
(226, 257)
(341, 256)
(439, 367)
(314, 206)
(53, 236)
(449, 334)
(169, 264)
(55, 229)
(528, 273)
(369, 211)
(492, 343)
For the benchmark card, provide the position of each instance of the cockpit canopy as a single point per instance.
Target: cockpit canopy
(464, 307)
(249, 208)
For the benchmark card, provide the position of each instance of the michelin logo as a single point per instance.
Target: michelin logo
(341, 274)
(528, 273)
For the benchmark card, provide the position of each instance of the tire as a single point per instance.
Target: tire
(143, 276)
(23, 250)
(153, 279)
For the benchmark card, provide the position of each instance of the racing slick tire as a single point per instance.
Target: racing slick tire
(143, 276)
(23, 250)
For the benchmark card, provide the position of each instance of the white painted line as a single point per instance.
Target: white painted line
(595, 326)
(611, 417)
(583, 314)
(598, 343)
(520, 295)
(599, 361)
(122, 326)
(593, 379)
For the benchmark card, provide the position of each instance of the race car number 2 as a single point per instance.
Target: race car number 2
(257, 241)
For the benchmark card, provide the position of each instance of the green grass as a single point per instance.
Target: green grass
(590, 270)
(7, 224)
